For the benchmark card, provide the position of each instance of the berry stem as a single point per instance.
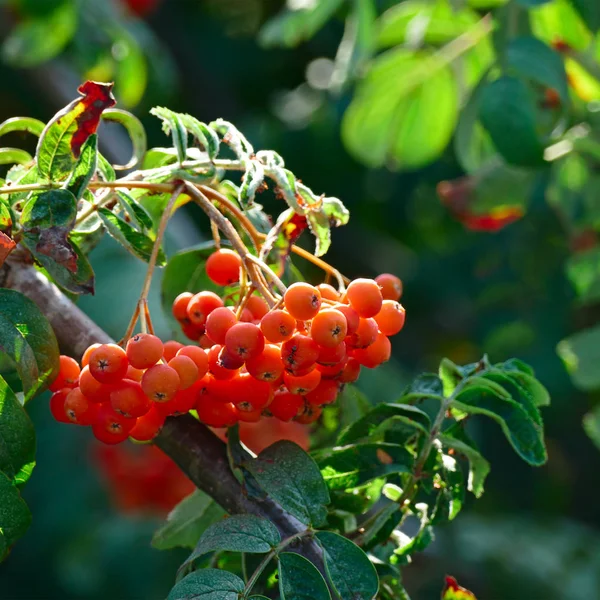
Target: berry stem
(268, 271)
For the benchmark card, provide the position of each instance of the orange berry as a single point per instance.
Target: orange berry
(325, 393)
(57, 405)
(391, 317)
(223, 390)
(68, 374)
(365, 335)
(201, 305)
(246, 316)
(186, 369)
(249, 414)
(245, 340)
(110, 427)
(364, 297)
(285, 405)
(144, 350)
(278, 326)
(309, 415)
(191, 331)
(108, 363)
(390, 285)
(302, 384)
(205, 342)
(198, 355)
(378, 352)
(223, 267)
(267, 366)
(78, 409)
(302, 301)
(134, 374)
(85, 359)
(329, 328)
(213, 413)
(128, 399)
(92, 389)
(332, 356)
(350, 372)
(250, 393)
(332, 371)
(328, 292)
(222, 364)
(352, 318)
(170, 349)
(148, 427)
(299, 353)
(160, 383)
(219, 322)
(258, 307)
(180, 305)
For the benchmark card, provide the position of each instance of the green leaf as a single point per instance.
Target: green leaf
(37, 40)
(581, 355)
(583, 271)
(9, 156)
(383, 414)
(524, 375)
(15, 517)
(185, 272)
(451, 495)
(590, 13)
(479, 467)
(48, 210)
(559, 20)
(533, 59)
(85, 168)
(404, 112)
(22, 124)
(299, 579)
(295, 25)
(291, 477)
(105, 169)
(79, 279)
(426, 385)
(131, 67)
(507, 112)
(252, 179)
(349, 569)
(134, 128)
(530, 3)
(173, 126)
(208, 584)
(238, 533)
(17, 437)
(203, 134)
(187, 521)
(27, 338)
(137, 213)
(351, 466)
(385, 522)
(134, 241)
(357, 500)
(452, 374)
(591, 425)
(481, 396)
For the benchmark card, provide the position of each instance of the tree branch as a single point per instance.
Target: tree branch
(200, 454)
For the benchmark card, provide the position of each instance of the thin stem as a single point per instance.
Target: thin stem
(269, 272)
(267, 559)
(215, 234)
(232, 235)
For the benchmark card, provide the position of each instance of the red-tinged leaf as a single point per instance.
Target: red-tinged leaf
(453, 591)
(497, 219)
(283, 235)
(7, 245)
(61, 141)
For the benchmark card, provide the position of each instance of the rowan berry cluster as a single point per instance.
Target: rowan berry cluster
(250, 361)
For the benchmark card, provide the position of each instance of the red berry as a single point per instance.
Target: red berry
(390, 285)
(219, 322)
(378, 352)
(278, 326)
(78, 409)
(170, 349)
(213, 413)
(258, 307)
(332, 356)
(285, 406)
(92, 389)
(222, 364)
(108, 363)
(223, 267)
(329, 328)
(160, 383)
(328, 292)
(68, 374)
(268, 365)
(250, 393)
(391, 317)
(302, 384)
(365, 335)
(110, 427)
(128, 399)
(299, 353)
(144, 350)
(352, 318)
(57, 405)
(350, 372)
(325, 393)
(186, 369)
(364, 296)
(201, 305)
(180, 305)
(302, 301)
(245, 340)
(148, 427)
(199, 356)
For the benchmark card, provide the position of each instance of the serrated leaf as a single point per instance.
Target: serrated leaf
(349, 569)
(525, 435)
(208, 584)
(479, 467)
(291, 478)
(238, 533)
(404, 112)
(134, 241)
(299, 579)
(507, 112)
(252, 179)
(17, 437)
(15, 517)
(531, 58)
(426, 385)
(173, 126)
(85, 168)
(377, 417)
(187, 521)
(105, 169)
(134, 128)
(321, 229)
(295, 25)
(60, 143)
(205, 136)
(351, 466)
(37, 40)
(27, 338)
(234, 138)
(137, 213)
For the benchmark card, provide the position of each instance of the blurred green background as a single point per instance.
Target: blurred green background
(535, 533)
